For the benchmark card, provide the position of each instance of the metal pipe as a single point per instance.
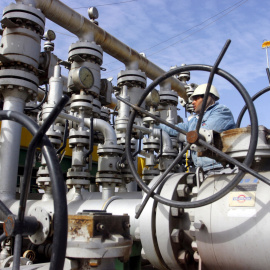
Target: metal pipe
(56, 86)
(166, 140)
(125, 203)
(71, 117)
(10, 149)
(144, 129)
(108, 190)
(124, 109)
(77, 24)
(105, 128)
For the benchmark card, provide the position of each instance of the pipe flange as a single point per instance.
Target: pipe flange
(151, 144)
(108, 178)
(29, 14)
(114, 149)
(126, 175)
(149, 174)
(78, 182)
(59, 128)
(96, 107)
(78, 101)
(121, 137)
(147, 234)
(133, 77)
(85, 51)
(122, 121)
(190, 88)
(148, 120)
(122, 141)
(185, 75)
(83, 98)
(78, 175)
(173, 240)
(105, 114)
(15, 79)
(43, 182)
(43, 171)
(78, 138)
(55, 141)
(44, 229)
(46, 110)
(168, 96)
(21, 57)
(54, 136)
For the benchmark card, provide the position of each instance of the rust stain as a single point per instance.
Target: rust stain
(229, 137)
(8, 226)
(77, 225)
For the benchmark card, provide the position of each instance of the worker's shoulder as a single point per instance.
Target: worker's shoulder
(220, 108)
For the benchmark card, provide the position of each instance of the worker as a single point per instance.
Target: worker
(216, 117)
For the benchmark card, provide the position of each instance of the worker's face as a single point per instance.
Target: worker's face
(197, 103)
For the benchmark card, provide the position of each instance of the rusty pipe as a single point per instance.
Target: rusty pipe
(77, 24)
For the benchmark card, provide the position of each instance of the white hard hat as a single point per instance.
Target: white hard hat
(200, 90)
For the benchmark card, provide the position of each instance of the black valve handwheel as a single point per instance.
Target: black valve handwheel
(243, 167)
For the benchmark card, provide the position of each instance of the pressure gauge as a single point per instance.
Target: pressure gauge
(50, 35)
(152, 98)
(93, 13)
(83, 77)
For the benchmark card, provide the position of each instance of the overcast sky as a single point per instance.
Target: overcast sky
(173, 32)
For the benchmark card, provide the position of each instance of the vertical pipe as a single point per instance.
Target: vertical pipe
(10, 138)
(56, 86)
(108, 190)
(124, 109)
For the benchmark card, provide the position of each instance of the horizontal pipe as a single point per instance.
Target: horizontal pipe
(144, 129)
(126, 203)
(70, 117)
(98, 124)
(77, 24)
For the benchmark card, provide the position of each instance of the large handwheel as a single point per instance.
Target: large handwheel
(243, 167)
(21, 225)
(241, 114)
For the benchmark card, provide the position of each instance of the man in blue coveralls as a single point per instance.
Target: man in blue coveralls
(216, 117)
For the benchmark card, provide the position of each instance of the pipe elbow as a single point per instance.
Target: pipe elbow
(105, 128)
(166, 139)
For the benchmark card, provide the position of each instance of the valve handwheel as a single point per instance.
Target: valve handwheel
(194, 136)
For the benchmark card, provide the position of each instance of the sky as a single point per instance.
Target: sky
(175, 32)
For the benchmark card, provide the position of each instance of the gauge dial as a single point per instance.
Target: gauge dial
(50, 35)
(152, 98)
(83, 78)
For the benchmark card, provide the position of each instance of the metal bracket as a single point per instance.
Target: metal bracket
(66, 64)
(8, 23)
(4, 59)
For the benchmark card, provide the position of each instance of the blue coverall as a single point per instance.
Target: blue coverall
(217, 117)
